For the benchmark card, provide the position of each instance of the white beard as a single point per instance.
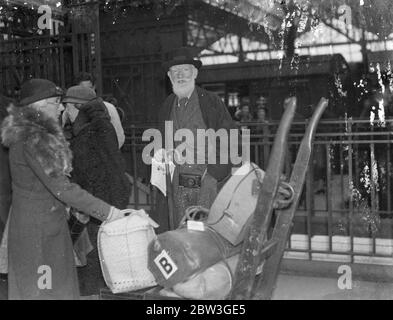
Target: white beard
(184, 90)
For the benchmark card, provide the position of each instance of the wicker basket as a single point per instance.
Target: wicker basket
(122, 247)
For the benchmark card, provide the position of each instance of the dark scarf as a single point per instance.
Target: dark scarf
(42, 135)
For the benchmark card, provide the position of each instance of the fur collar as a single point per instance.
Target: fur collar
(42, 135)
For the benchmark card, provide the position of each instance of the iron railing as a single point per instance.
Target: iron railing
(345, 212)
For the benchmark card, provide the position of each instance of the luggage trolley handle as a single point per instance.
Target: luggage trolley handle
(265, 285)
(254, 241)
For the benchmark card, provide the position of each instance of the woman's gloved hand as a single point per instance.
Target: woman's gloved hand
(115, 213)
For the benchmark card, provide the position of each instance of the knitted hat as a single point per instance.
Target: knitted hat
(79, 94)
(38, 89)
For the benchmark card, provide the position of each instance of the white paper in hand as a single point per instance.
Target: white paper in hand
(158, 171)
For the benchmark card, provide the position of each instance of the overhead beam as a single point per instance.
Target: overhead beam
(206, 14)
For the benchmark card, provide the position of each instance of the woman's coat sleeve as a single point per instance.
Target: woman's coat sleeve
(69, 193)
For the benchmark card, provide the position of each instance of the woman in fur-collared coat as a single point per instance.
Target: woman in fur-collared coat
(40, 254)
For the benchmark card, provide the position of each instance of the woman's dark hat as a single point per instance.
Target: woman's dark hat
(183, 55)
(35, 90)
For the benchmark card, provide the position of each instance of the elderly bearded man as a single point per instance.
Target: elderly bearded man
(190, 107)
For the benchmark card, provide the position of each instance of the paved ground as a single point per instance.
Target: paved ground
(308, 288)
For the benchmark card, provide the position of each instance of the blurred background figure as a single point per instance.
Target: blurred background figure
(112, 100)
(244, 114)
(261, 103)
(261, 115)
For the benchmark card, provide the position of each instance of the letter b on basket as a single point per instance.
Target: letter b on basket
(165, 264)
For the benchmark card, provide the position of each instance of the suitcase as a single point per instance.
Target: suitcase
(175, 256)
(235, 204)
